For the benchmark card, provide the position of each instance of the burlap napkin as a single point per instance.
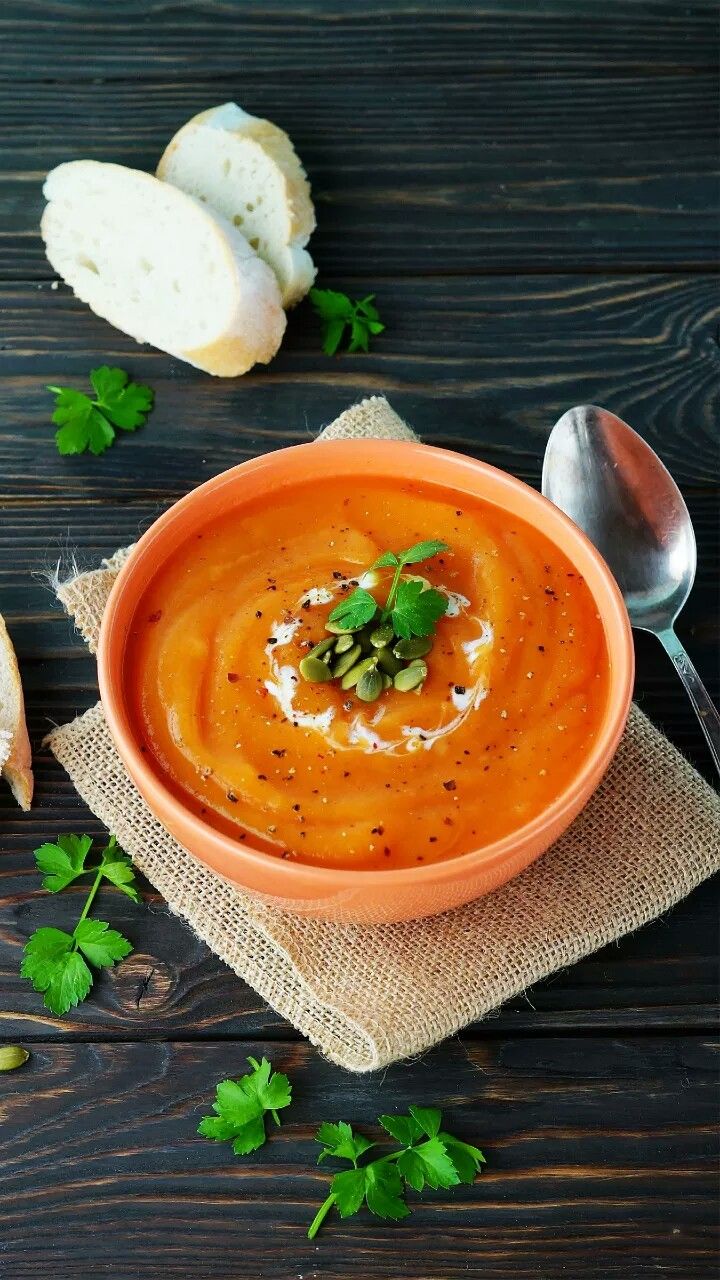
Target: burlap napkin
(368, 997)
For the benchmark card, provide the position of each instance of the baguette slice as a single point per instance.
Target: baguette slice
(161, 266)
(15, 759)
(247, 169)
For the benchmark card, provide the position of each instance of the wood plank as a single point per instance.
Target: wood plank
(477, 365)
(532, 171)
(407, 39)
(600, 1163)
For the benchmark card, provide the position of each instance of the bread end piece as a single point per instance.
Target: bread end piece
(15, 758)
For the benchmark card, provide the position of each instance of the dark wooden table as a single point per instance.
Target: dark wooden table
(528, 190)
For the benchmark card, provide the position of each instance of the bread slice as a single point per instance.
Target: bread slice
(247, 169)
(161, 266)
(15, 759)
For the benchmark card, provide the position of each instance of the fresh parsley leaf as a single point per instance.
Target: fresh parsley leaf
(422, 551)
(118, 869)
(384, 1191)
(338, 312)
(355, 610)
(125, 403)
(388, 560)
(55, 961)
(466, 1158)
(427, 1157)
(55, 968)
(428, 1163)
(348, 1191)
(100, 944)
(63, 861)
(339, 1140)
(240, 1107)
(90, 424)
(378, 1185)
(416, 611)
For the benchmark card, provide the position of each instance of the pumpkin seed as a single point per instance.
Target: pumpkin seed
(337, 629)
(12, 1056)
(381, 636)
(346, 661)
(352, 676)
(387, 660)
(314, 670)
(415, 647)
(387, 680)
(410, 678)
(370, 685)
(343, 643)
(323, 647)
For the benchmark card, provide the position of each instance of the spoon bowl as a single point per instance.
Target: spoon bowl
(604, 476)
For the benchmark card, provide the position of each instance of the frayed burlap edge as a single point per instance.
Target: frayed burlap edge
(370, 996)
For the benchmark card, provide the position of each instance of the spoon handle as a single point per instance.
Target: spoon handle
(705, 710)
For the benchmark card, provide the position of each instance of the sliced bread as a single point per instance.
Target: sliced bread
(15, 759)
(247, 169)
(161, 266)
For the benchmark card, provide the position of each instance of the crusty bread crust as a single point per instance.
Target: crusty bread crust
(236, 349)
(276, 145)
(15, 757)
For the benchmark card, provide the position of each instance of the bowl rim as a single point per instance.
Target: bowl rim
(616, 624)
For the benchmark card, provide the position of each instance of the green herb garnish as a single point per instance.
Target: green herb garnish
(382, 637)
(90, 424)
(427, 1157)
(58, 963)
(338, 312)
(240, 1107)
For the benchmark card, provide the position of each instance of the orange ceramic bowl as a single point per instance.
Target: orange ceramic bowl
(370, 896)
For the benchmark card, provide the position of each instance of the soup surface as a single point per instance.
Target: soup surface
(516, 688)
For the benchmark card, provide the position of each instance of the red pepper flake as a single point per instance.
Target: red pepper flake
(272, 639)
(347, 705)
(233, 677)
(258, 613)
(386, 851)
(232, 797)
(432, 839)
(262, 777)
(346, 773)
(279, 752)
(541, 648)
(377, 831)
(448, 822)
(296, 808)
(449, 785)
(337, 575)
(156, 616)
(460, 689)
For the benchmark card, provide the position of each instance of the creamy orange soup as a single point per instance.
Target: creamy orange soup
(516, 687)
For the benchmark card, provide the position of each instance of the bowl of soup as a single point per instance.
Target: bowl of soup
(394, 796)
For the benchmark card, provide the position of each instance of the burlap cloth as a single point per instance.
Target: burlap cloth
(368, 997)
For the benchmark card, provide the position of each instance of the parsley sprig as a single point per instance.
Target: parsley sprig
(240, 1107)
(90, 424)
(413, 608)
(58, 963)
(338, 312)
(427, 1156)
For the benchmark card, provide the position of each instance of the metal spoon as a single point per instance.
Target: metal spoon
(611, 483)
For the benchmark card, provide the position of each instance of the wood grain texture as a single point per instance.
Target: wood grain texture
(600, 1163)
(477, 364)
(529, 191)
(153, 39)
(563, 163)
